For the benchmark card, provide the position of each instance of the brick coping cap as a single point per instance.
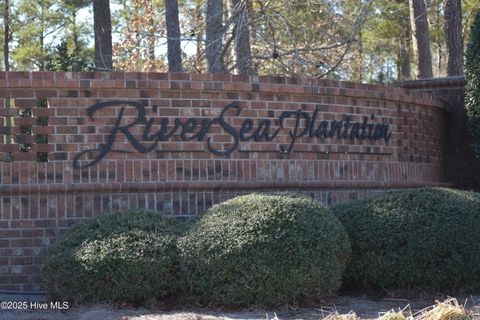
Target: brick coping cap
(431, 83)
(76, 80)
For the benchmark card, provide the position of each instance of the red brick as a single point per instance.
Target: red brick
(59, 195)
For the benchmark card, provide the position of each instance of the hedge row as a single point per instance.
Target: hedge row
(265, 249)
(131, 255)
(272, 250)
(427, 239)
(254, 249)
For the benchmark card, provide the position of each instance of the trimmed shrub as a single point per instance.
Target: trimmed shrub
(472, 86)
(426, 239)
(127, 256)
(264, 250)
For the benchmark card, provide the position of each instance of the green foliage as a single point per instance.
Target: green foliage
(424, 238)
(472, 87)
(264, 249)
(62, 59)
(382, 37)
(127, 256)
(33, 21)
(35, 26)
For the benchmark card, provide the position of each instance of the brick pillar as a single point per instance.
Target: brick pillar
(461, 167)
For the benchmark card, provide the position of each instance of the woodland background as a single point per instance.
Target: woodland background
(358, 40)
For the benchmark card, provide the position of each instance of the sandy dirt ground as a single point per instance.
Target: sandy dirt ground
(366, 308)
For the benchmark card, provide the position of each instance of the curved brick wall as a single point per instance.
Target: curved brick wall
(313, 136)
(461, 166)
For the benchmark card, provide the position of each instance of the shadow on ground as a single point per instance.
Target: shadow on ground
(365, 308)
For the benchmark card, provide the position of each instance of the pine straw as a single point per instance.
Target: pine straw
(394, 315)
(449, 309)
(336, 316)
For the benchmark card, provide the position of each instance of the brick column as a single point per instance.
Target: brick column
(461, 166)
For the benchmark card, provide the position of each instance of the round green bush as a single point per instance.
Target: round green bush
(264, 250)
(127, 256)
(426, 239)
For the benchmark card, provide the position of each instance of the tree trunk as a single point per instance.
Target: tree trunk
(75, 31)
(173, 35)
(151, 42)
(102, 26)
(6, 38)
(242, 37)
(228, 47)
(421, 40)
(6, 61)
(199, 34)
(253, 38)
(437, 40)
(453, 37)
(404, 56)
(359, 67)
(41, 63)
(214, 33)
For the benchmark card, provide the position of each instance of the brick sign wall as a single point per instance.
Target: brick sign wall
(461, 167)
(75, 145)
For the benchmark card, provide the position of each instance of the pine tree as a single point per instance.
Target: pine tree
(421, 39)
(453, 37)
(36, 22)
(103, 34)
(173, 36)
(214, 33)
(74, 29)
(64, 58)
(242, 36)
(6, 35)
(472, 88)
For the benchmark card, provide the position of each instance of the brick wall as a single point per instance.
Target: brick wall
(46, 127)
(461, 167)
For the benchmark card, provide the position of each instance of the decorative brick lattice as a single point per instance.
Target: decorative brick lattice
(24, 130)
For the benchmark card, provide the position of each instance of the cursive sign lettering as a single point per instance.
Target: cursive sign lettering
(196, 129)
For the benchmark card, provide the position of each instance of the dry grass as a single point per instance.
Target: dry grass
(364, 308)
(336, 316)
(394, 315)
(449, 309)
